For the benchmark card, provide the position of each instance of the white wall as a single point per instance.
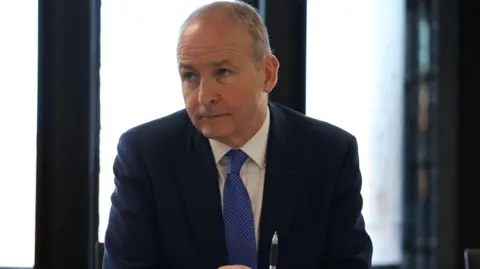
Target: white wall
(355, 81)
(18, 131)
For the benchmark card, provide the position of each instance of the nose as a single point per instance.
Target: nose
(208, 94)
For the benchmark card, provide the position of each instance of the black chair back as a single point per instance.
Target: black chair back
(99, 257)
(472, 258)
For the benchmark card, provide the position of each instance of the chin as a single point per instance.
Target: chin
(216, 127)
(213, 133)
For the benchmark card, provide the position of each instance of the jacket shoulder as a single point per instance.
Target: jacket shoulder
(166, 129)
(309, 129)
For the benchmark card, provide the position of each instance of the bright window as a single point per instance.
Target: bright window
(355, 81)
(18, 119)
(139, 77)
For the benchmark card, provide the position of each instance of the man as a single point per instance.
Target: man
(208, 186)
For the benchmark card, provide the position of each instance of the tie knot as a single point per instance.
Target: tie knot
(236, 158)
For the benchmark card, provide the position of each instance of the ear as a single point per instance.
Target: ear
(271, 66)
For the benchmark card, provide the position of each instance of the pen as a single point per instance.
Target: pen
(274, 252)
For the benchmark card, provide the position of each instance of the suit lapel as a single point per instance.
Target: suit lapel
(199, 187)
(282, 181)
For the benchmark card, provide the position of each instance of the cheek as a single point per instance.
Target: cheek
(191, 105)
(190, 99)
(239, 95)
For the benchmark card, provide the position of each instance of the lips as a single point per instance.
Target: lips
(213, 116)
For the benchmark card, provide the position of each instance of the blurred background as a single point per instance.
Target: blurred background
(401, 75)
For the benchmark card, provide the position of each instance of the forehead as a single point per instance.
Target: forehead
(205, 41)
(212, 56)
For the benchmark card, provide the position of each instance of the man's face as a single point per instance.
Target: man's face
(224, 89)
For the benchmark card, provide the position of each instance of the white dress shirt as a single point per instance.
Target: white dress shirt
(253, 170)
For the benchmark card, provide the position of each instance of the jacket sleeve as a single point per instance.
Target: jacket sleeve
(349, 245)
(131, 239)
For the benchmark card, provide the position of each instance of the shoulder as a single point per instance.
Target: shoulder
(307, 130)
(162, 131)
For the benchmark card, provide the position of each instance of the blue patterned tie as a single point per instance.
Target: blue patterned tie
(237, 215)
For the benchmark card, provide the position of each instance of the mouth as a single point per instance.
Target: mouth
(213, 116)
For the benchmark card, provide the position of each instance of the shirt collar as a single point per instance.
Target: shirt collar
(255, 148)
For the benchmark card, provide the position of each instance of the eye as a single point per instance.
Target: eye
(224, 72)
(188, 76)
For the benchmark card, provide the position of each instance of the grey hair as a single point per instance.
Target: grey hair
(246, 15)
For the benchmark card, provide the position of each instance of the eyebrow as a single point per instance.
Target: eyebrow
(221, 63)
(214, 64)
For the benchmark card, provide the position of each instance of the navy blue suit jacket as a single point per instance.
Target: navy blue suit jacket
(166, 210)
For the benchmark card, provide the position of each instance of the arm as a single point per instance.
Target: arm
(131, 236)
(349, 245)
